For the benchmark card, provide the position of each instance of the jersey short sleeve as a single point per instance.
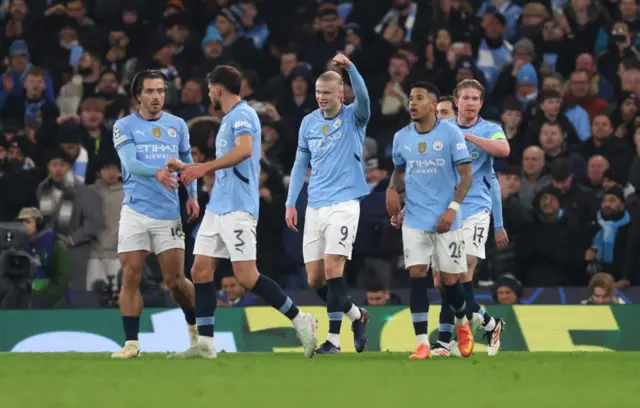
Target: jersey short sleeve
(398, 160)
(242, 124)
(496, 133)
(121, 134)
(459, 151)
(185, 145)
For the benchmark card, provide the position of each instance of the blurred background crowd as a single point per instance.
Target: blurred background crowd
(561, 76)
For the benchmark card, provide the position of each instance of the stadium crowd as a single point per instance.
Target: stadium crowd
(561, 76)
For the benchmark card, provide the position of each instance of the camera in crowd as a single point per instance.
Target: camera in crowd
(16, 264)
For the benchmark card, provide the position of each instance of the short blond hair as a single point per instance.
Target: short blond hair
(468, 83)
(329, 76)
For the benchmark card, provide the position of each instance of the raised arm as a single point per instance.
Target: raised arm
(362, 103)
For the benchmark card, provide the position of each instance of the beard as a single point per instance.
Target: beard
(217, 105)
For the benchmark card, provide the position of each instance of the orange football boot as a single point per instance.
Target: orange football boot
(423, 352)
(465, 339)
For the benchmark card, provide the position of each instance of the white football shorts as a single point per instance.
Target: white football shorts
(138, 232)
(444, 252)
(330, 230)
(476, 231)
(230, 236)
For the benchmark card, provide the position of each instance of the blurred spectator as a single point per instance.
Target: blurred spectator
(53, 272)
(614, 249)
(378, 294)
(190, 105)
(596, 168)
(516, 218)
(554, 146)
(233, 294)
(116, 101)
(549, 111)
(605, 143)
(31, 106)
(534, 175)
(14, 78)
(580, 91)
(576, 114)
(297, 99)
(18, 182)
(551, 254)
(601, 85)
(82, 85)
(213, 53)
(624, 118)
(507, 290)
(576, 200)
(492, 50)
(103, 259)
(602, 291)
(72, 210)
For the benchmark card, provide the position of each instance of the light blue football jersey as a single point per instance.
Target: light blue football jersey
(156, 141)
(431, 177)
(478, 198)
(236, 188)
(336, 146)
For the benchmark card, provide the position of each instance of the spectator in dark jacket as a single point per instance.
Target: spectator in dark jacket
(551, 249)
(615, 246)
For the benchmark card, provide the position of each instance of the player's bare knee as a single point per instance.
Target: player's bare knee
(334, 266)
(171, 281)
(246, 273)
(418, 271)
(202, 270)
(316, 281)
(449, 278)
(315, 274)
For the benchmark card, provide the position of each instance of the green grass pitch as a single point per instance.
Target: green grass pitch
(283, 380)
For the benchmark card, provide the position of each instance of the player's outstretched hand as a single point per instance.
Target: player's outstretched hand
(193, 209)
(291, 217)
(502, 239)
(341, 61)
(167, 179)
(193, 173)
(445, 221)
(175, 164)
(393, 202)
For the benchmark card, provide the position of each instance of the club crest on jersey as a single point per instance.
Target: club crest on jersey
(422, 147)
(172, 132)
(325, 129)
(437, 145)
(337, 124)
(156, 132)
